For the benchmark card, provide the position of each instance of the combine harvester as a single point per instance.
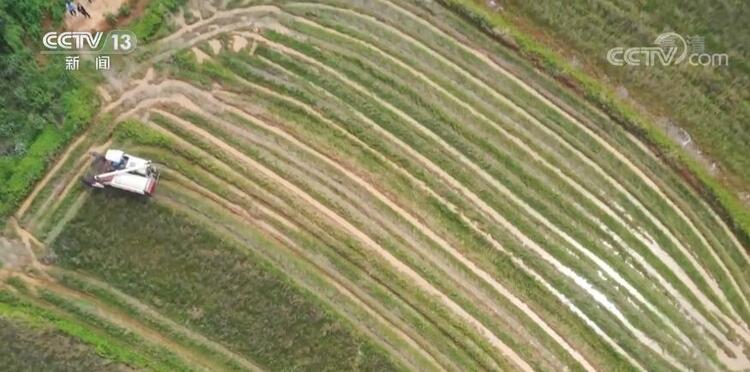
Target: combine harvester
(122, 171)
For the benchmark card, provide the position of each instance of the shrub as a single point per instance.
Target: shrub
(124, 10)
(111, 18)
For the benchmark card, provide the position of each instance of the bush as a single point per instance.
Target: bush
(124, 10)
(111, 19)
(42, 106)
(153, 22)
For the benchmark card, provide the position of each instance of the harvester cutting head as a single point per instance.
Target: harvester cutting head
(122, 171)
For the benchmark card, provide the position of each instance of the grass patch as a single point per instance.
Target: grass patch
(261, 316)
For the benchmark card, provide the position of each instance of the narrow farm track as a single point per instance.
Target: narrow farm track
(622, 158)
(685, 277)
(608, 270)
(338, 284)
(346, 287)
(453, 252)
(143, 308)
(582, 157)
(440, 201)
(184, 144)
(484, 275)
(597, 295)
(366, 240)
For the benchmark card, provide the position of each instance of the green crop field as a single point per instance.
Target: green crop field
(380, 185)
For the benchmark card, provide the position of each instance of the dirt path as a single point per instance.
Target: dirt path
(56, 198)
(602, 142)
(426, 231)
(595, 294)
(114, 103)
(340, 284)
(673, 266)
(150, 312)
(474, 224)
(109, 107)
(367, 241)
(361, 297)
(122, 320)
(536, 158)
(139, 84)
(28, 256)
(435, 238)
(183, 143)
(15, 256)
(372, 191)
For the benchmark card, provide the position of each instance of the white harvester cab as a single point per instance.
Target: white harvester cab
(123, 171)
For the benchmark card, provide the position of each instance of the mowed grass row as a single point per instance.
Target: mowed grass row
(223, 291)
(388, 43)
(617, 261)
(355, 95)
(739, 300)
(375, 61)
(424, 318)
(606, 128)
(315, 248)
(298, 119)
(531, 184)
(47, 308)
(348, 196)
(475, 343)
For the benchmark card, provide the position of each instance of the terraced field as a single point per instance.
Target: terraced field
(373, 185)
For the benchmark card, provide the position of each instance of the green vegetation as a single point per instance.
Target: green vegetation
(108, 342)
(688, 99)
(33, 348)
(111, 19)
(380, 185)
(124, 10)
(42, 105)
(117, 300)
(228, 293)
(153, 23)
